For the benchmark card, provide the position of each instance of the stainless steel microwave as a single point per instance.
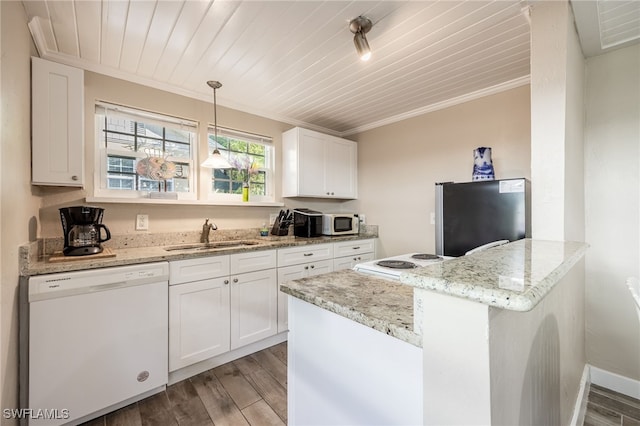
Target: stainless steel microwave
(340, 224)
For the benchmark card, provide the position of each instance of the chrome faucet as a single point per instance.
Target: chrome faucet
(206, 228)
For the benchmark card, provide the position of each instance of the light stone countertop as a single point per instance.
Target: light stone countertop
(384, 305)
(135, 250)
(515, 276)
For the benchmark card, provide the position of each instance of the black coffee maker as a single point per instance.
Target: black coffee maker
(82, 227)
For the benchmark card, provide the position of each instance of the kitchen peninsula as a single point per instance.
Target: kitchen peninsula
(495, 341)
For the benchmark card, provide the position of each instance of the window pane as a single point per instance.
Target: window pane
(178, 135)
(221, 186)
(145, 184)
(120, 181)
(120, 164)
(176, 149)
(257, 189)
(148, 146)
(120, 141)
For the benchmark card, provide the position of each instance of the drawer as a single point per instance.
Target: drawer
(304, 254)
(253, 261)
(202, 268)
(349, 248)
(348, 262)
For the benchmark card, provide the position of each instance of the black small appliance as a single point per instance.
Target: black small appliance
(307, 223)
(82, 227)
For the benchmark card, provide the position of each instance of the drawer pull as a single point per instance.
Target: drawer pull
(308, 254)
(312, 266)
(226, 281)
(356, 248)
(235, 280)
(306, 267)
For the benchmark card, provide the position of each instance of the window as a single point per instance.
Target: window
(144, 154)
(252, 158)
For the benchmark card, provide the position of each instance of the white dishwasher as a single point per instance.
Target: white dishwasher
(97, 338)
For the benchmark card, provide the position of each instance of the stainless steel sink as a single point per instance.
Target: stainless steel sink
(216, 245)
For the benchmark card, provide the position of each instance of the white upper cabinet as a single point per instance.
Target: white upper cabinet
(57, 130)
(318, 165)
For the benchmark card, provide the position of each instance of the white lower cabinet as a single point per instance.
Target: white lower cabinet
(213, 308)
(349, 253)
(296, 272)
(254, 307)
(199, 321)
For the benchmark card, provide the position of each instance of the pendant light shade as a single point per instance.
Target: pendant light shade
(215, 160)
(361, 26)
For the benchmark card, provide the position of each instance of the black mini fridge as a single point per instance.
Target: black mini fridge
(472, 214)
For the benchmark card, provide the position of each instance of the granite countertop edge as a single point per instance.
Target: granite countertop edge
(308, 290)
(520, 301)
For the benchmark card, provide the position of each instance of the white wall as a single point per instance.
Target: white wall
(399, 164)
(557, 76)
(120, 217)
(612, 180)
(536, 370)
(18, 207)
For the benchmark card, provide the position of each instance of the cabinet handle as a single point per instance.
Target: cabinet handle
(226, 281)
(74, 177)
(306, 267)
(328, 193)
(312, 266)
(332, 193)
(356, 248)
(235, 280)
(308, 254)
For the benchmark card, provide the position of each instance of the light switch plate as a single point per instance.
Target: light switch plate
(142, 222)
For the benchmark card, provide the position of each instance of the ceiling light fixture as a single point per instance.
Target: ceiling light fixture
(361, 26)
(215, 160)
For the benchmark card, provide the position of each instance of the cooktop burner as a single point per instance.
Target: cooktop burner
(396, 264)
(425, 256)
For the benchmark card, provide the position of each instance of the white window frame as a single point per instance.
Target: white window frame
(269, 168)
(102, 152)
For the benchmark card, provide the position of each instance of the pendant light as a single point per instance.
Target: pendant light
(215, 160)
(361, 26)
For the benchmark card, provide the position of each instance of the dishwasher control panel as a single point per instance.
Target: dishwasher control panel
(67, 283)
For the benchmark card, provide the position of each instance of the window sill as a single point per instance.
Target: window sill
(111, 200)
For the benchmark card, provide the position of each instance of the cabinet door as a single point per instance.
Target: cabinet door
(57, 96)
(341, 173)
(254, 299)
(295, 272)
(285, 274)
(311, 157)
(198, 321)
(317, 268)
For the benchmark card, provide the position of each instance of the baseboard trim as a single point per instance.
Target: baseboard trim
(580, 409)
(615, 382)
(207, 364)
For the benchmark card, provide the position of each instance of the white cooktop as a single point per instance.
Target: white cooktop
(374, 268)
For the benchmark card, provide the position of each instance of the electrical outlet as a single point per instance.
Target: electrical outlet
(272, 218)
(142, 222)
(362, 218)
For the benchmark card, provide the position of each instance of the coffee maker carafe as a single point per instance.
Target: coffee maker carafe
(82, 227)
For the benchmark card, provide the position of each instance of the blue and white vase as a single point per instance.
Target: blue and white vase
(482, 164)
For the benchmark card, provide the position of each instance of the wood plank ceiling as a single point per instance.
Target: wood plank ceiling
(295, 61)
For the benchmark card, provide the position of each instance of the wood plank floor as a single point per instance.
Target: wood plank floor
(248, 391)
(607, 408)
(253, 391)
